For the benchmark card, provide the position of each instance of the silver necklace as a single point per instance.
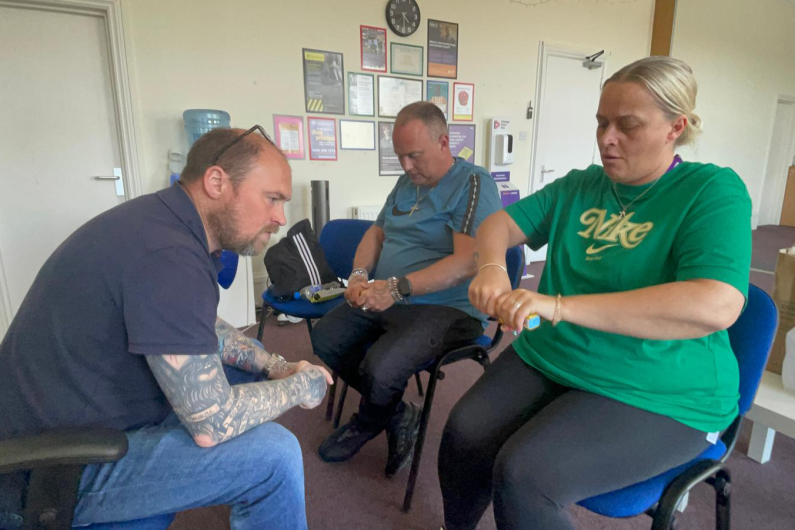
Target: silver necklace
(417, 203)
(624, 207)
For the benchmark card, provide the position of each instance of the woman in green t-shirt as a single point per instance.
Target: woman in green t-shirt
(631, 372)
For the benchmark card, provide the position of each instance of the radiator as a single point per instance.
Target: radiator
(366, 212)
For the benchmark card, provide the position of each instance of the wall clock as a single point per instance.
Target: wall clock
(403, 16)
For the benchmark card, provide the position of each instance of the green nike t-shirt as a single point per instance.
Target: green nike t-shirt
(694, 222)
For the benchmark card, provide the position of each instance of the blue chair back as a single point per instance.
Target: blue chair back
(339, 239)
(514, 259)
(227, 274)
(751, 338)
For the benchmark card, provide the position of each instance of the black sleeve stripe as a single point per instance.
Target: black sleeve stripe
(472, 205)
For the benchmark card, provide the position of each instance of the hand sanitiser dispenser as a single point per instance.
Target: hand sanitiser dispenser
(503, 149)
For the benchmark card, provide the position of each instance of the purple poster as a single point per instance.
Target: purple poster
(322, 138)
(462, 141)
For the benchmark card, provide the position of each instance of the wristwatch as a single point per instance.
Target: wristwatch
(404, 287)
(274, 359)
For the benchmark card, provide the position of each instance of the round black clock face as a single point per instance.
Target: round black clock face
(403, 16)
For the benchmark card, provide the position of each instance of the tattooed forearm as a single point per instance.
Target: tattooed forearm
(213, 411)
(241, 352)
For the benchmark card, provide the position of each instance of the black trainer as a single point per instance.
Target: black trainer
(401, 434)
(346, 441)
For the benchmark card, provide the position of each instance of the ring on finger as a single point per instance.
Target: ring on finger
(364, 308)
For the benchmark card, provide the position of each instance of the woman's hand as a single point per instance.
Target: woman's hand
(514, 307)
(487, 286)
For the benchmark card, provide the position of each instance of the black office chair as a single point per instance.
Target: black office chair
(477, 351)
(40, 474)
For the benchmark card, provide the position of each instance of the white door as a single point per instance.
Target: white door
(565, 129)
(778, 159)
(57, 132)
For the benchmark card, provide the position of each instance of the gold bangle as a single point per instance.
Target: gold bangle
(492, 264)
(556, 315)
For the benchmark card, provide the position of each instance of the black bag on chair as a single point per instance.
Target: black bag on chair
(297, 261)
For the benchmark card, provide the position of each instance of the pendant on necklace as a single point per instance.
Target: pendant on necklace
(414, 208)
(622, 214)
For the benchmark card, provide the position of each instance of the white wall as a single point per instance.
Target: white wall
(244, 56)
(743, 56)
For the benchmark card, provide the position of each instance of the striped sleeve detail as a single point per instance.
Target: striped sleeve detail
(472, 205)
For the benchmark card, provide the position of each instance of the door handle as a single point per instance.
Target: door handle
(544, 171)
(117, 177)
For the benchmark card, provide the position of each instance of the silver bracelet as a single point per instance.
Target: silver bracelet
(359, 272)
(492, 265)
(393, 289)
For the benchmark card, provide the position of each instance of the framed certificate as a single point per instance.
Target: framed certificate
(361, 94)
(406, 59)
(357, 135)
(394, 93)
(463, 101)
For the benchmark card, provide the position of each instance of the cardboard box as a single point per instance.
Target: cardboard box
(784, 297)
(788, 208)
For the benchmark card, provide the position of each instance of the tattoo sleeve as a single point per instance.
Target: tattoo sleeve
(214, 411)
(241, 352)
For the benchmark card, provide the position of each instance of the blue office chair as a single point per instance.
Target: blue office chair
(339, 240)
(751, 338)
(477, 351)
(227, 274)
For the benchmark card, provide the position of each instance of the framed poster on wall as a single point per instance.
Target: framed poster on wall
(463, 101)
(388, 163)
(361, 94)
(373, 48)
(407, 59)
(442, 49)
(323, 84)
(462, 141)
(438, 92)
(357, 135)
(289, 132)
(322, 138)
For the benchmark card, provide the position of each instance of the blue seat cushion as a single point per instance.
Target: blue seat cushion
(301, 308)
(636, 499)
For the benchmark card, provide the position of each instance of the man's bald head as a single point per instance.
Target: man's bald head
(237, 161)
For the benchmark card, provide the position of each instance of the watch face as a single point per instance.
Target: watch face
(403, 16)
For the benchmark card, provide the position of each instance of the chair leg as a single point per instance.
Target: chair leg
(261, 328)
(419, 384)
(332, 390)
(340, 404)
(418, 445)
(722, 500)
(309, 325)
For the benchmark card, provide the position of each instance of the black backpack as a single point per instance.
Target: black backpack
(297, 261)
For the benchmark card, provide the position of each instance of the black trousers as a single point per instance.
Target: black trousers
(377, 353)
(536, 447)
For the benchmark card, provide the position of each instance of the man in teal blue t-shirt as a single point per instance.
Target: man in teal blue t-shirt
(417, 306)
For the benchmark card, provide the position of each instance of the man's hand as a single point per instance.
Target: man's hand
(319, 380)
(355, 286)
(375, 296)
(287, 369)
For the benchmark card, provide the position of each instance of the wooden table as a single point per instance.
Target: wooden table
(773, 411)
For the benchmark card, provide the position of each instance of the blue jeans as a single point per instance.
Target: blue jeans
(259, 473)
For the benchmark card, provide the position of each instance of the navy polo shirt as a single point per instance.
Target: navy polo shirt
(136, 280)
